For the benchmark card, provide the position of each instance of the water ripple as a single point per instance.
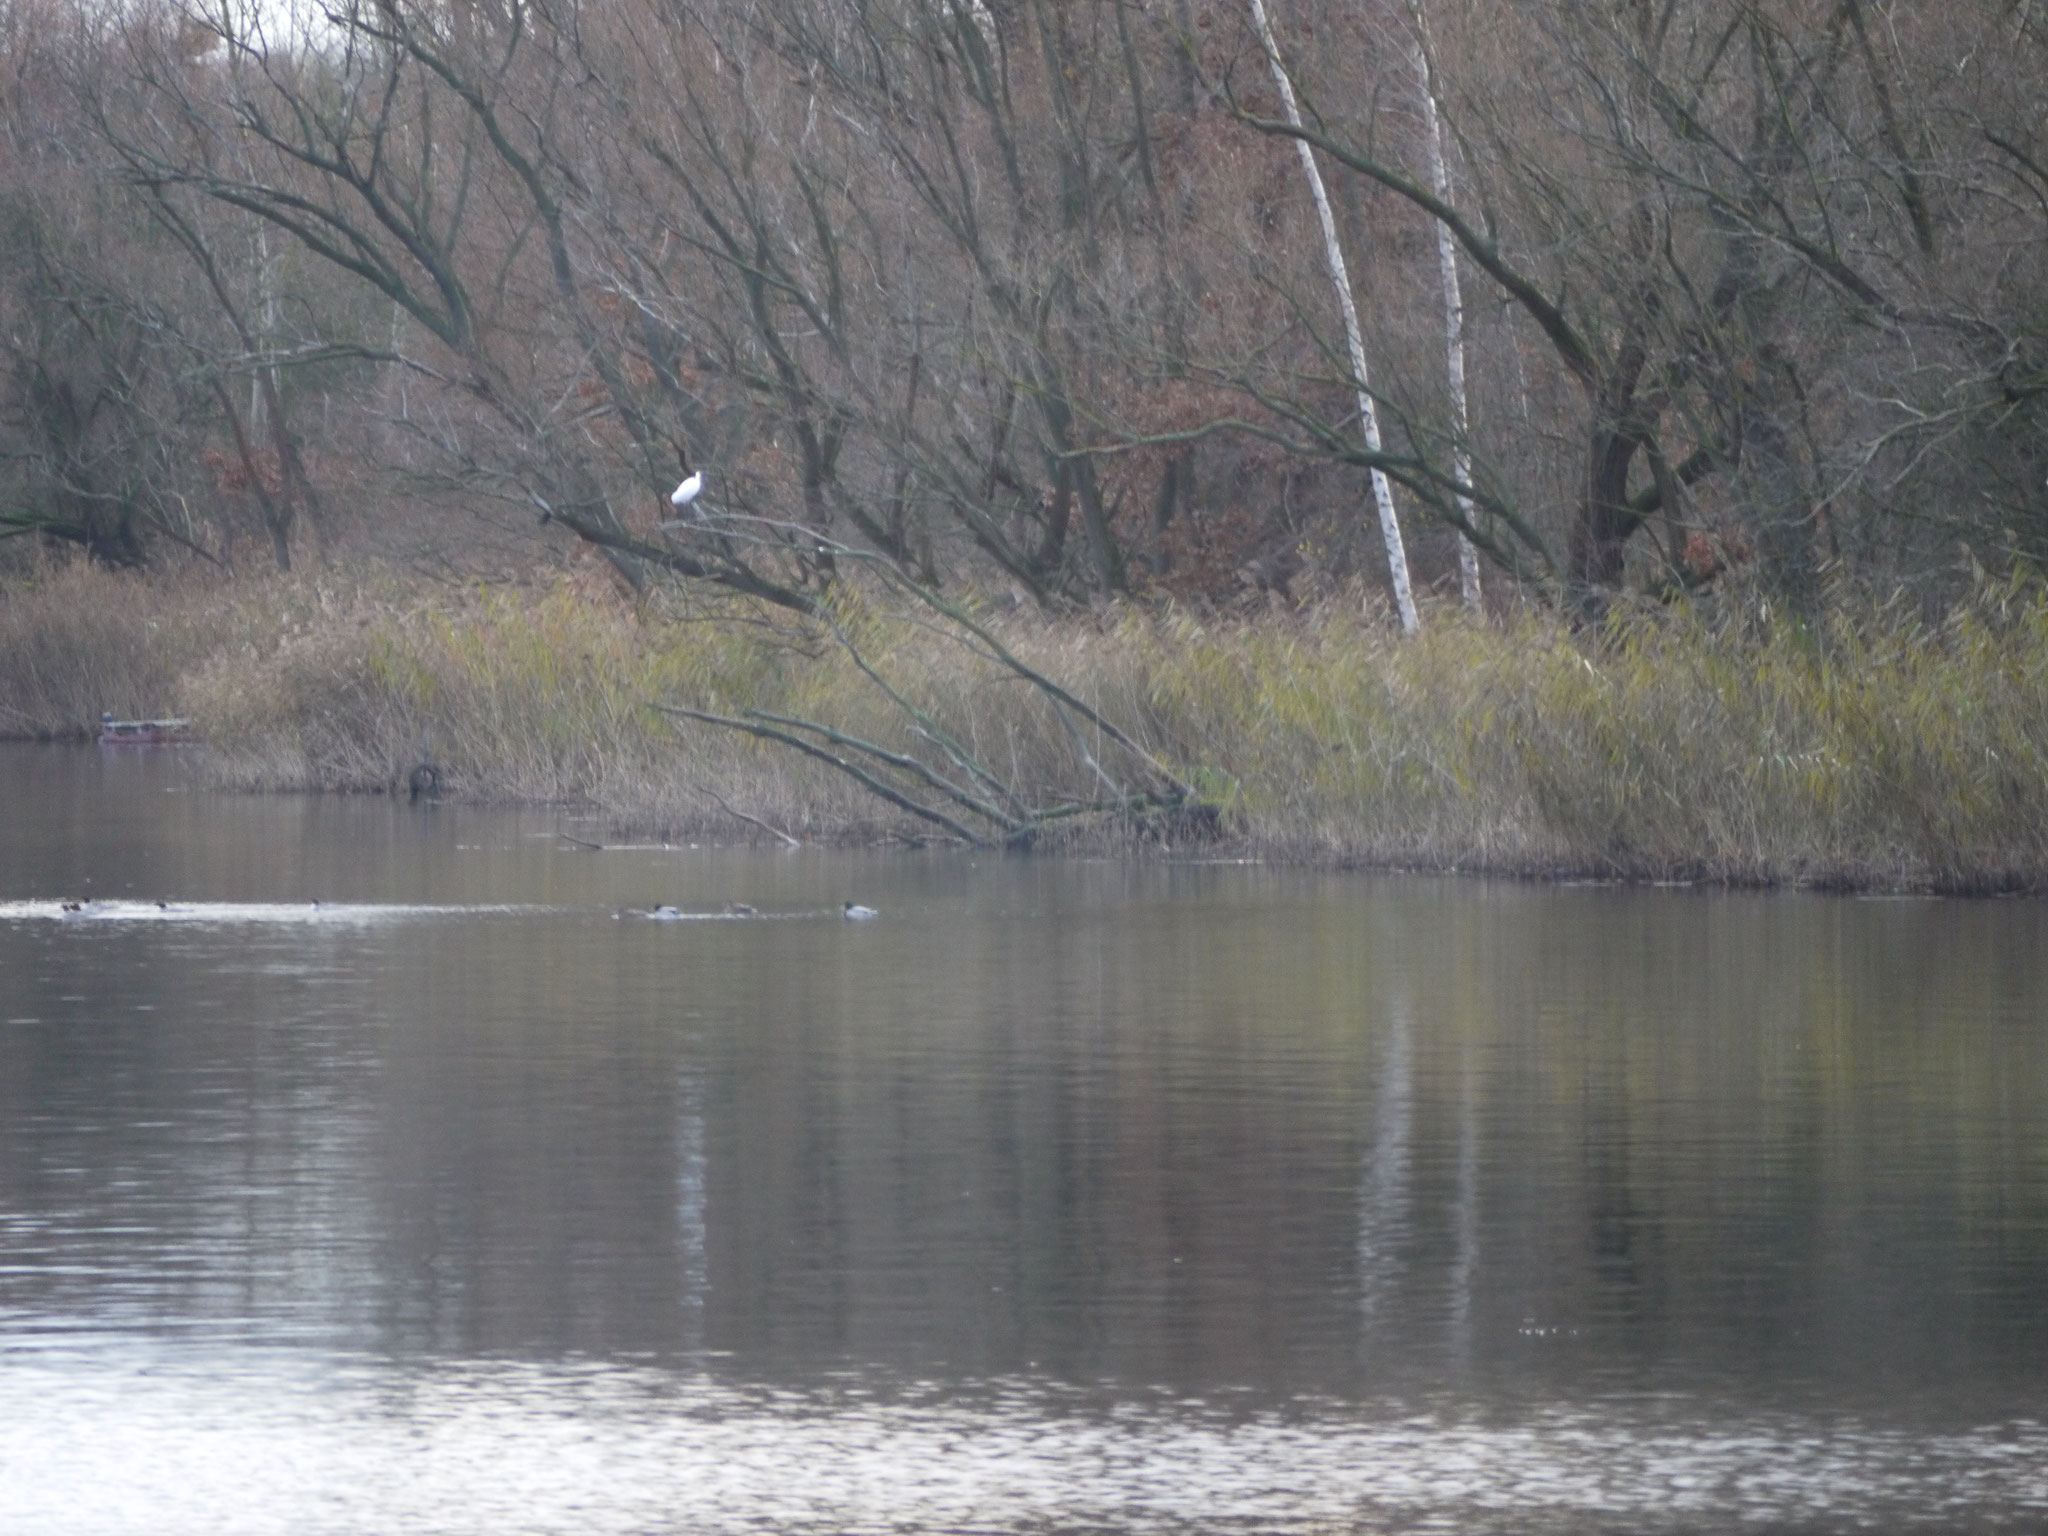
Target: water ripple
(268, 1441)
(220, 913)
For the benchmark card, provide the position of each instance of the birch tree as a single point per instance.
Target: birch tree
(1454, 320)
(1340, 280)
(1721, 225)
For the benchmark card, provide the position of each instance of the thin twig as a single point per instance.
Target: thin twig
(752, 821)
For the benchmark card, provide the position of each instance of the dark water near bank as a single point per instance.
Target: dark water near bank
(1063, 1196)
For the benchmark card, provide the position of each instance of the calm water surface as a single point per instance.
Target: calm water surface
(1064, 1196)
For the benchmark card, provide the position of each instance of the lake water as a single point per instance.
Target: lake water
(386, 1179)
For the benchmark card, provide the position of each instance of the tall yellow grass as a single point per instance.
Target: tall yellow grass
(1864, 751)
(1868, 750)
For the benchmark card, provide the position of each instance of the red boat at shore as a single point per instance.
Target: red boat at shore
(143, 733)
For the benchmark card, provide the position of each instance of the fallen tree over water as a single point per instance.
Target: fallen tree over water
(936, 775)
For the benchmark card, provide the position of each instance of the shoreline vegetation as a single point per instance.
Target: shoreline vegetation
(960, 422)
(931, 423)
(1859, 750)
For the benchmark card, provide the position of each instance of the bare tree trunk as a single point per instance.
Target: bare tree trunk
(1340, 279)
(1454, 324)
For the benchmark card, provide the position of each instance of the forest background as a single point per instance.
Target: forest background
(1588, 436)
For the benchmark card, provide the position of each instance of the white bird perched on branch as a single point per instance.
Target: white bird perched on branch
(693, 482)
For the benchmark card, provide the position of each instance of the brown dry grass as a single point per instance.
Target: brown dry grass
(76, 642)
(1870, 751)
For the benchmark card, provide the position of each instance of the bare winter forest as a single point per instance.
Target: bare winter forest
(1034, 293)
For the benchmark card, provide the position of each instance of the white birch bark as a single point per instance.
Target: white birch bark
(1340, 278)
(1454, 327)
(266, 287)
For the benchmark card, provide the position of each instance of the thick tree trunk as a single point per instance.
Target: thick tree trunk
(1605, 521)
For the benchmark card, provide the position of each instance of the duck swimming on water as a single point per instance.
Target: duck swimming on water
(857, 913)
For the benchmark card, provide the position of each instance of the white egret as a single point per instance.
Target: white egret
(693, 482)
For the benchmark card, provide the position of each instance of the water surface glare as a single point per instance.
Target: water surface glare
(368, 1167)
(350, 1446)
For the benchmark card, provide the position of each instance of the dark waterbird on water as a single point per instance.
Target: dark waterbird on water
(424, 782)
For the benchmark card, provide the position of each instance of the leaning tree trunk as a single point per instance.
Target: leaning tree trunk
(1340, 279)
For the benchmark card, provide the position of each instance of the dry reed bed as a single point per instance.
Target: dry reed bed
(1873, 751)
(75, 642)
